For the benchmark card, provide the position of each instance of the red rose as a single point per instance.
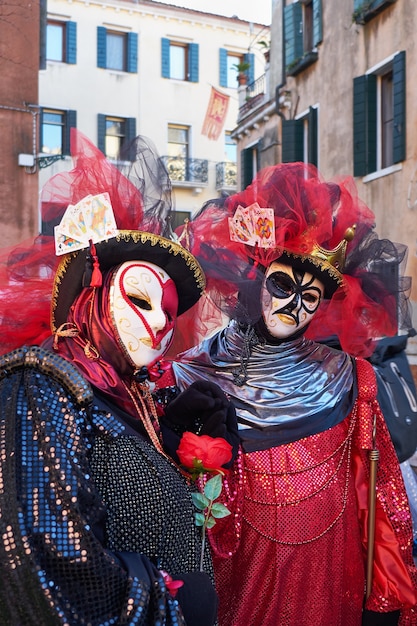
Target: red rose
(204, 452)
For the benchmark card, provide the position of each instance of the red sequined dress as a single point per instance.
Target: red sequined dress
(293, 551)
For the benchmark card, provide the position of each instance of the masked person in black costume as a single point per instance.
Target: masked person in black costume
(97, 520)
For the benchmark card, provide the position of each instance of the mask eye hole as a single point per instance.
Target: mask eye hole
(141, 303)
(280, 285)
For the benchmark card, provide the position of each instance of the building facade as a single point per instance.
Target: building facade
(344, 98)
(122, 68)
(19, 70)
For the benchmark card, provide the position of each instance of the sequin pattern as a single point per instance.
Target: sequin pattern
(53, 569)
(297, 534)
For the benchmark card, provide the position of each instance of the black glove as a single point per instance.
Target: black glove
(197, 599)
(203, 409)
(372, 618)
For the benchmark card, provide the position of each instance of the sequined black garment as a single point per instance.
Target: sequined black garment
(62, 560)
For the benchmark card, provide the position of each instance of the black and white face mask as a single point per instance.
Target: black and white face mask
(290, 299)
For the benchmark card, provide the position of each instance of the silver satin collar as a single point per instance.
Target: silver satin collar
(285, 382)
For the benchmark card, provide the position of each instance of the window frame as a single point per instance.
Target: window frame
(367, 117)
(69, 120)
(130, 50)
(191, 63)
(224, 55)
(297, 57)
(68, 44)
(129, 134)
(300, 138)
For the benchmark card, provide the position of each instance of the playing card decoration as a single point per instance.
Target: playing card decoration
(253, 226)
(91, 219)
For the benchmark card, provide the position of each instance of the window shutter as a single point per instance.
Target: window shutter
(130, 126)
(247, 167)
(101, 46)
(101, 132)
(357, 4)
(249, 57)
(398, 71)
(293, 37)
(312, 156)
(193, 60)
(223, 67)
(317, 23)
(165, 70)
(71, 42)
(70, 122)
(359, 126)
(41, 129)
(292, 141)
(364, 125)
(132, 52)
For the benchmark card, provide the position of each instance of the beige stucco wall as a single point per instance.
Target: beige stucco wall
(349, 50)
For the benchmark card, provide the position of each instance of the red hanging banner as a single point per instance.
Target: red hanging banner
(216, 114)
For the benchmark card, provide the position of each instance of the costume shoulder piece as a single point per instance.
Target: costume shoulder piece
(53, 569)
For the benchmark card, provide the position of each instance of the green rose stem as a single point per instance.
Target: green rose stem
(208, 509)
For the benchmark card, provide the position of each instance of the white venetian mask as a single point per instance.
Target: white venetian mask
(290, 299)
(144, 304)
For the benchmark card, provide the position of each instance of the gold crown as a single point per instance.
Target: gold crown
(335, 257)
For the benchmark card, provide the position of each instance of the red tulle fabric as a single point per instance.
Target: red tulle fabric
(293, 551)
(27, 271)
(308, 211)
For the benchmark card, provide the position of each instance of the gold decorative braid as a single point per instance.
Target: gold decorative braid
(174, 248)
(52, 365)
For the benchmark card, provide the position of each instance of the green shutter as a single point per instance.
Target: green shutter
(312, 156)
(193, 61)
(71, 42)
(70, 122)
(101, 132)
(247, 167)
(165, 69)
(101, 46)
(223, 67)
(132, 53)
(292, 141)
(317, 23)
(293, 17)
(399, 143)
(359, 126)
(364, 125)
(249, 57)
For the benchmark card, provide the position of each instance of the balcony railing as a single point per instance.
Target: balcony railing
(183, 170)
(226, 175)
(256, 88)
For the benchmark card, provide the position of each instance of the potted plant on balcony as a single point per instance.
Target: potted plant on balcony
(242, 68)
(266, 48)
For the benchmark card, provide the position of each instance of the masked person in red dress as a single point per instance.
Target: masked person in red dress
(293, 260)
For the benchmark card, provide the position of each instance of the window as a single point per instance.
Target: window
(379, 117)
(227, 70)
(364, 10)
(178, 152)
(117, 50)
(61, 41)
(303, 33)
(229, 147)
(115, 135)
(249, 164)
(179, 60)
(55, 131)
(299, 138)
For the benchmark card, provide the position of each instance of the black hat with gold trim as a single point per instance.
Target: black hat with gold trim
(83, 268)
